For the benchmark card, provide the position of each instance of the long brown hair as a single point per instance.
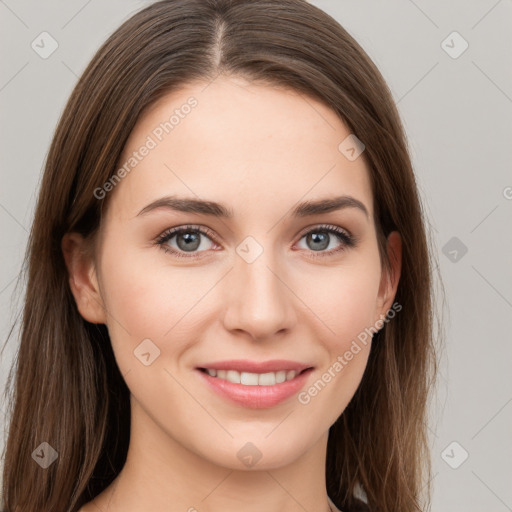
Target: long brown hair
(66, 387)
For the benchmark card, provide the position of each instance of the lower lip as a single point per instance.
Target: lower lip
(257, 397)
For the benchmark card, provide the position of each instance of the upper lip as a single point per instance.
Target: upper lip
(243, 365)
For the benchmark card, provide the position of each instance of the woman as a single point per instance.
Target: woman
(229, 298)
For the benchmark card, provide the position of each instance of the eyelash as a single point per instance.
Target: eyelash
(348, 240)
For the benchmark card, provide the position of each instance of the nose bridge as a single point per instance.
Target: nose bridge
(259, 302)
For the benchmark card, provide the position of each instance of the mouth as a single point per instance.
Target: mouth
(254, 379)
(255, 385)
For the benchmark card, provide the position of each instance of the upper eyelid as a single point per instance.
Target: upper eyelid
(170, 232)
(319, 227)
(186, 227)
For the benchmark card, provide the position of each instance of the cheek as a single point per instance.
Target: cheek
(346, 305)
(349, 313)
(147, 298)
(343, 298)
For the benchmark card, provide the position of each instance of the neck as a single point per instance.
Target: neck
(160, 471)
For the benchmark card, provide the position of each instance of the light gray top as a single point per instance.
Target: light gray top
(333, 506)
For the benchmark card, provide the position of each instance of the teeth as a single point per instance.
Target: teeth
(233, 376)
(253, 379)
(249, 379)
(280, 377)
(267, 379)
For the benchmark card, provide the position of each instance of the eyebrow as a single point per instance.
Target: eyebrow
(204, 207)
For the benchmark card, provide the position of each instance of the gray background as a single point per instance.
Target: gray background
(457, 113)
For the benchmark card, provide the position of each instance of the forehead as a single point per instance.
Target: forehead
(256, 148)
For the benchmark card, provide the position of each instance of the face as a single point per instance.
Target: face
(272, 281)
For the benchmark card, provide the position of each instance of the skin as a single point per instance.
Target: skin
(259, 150)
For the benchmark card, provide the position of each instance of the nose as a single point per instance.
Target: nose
(259, 300)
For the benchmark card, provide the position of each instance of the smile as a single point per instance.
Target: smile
(255, 385)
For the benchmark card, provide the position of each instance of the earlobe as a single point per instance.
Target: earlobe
(391, 277)
(82, 278)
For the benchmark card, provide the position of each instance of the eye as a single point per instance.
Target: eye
(187, 238)
(320, 238)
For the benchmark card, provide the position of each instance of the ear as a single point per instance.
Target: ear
(83, 279)
(390, 278)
